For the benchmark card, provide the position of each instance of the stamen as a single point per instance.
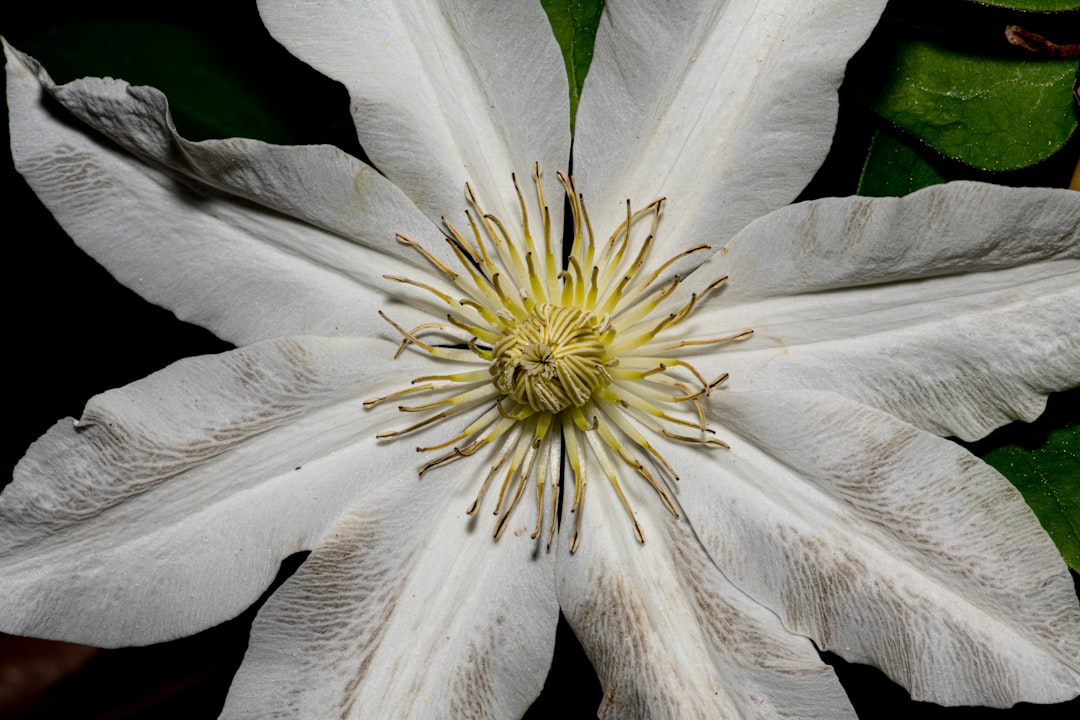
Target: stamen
(483, 392)
(456, 454)
(480, 333)
(704, 391)
(605, 464)
(507, 448)
(711, 442)
(612, 442)
(437, 293)
(572, 367)
(466, 377)
(390, 434)
(406, 240)
(741, 335)
(400, 393)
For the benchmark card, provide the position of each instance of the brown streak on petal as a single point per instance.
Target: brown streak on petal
(124, 447)
(471, 687)
(334, 612)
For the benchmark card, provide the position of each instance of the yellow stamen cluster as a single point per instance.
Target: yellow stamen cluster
(551, 360)
(564, 361)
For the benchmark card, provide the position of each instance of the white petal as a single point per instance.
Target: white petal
(180, 225)
(886, 545)
(726, 109)
(956, 308)
(442, 93)
(167, 508)
(669, 635)
(408, 608)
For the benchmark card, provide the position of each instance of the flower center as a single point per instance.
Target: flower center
(580, 363)
(552, 360)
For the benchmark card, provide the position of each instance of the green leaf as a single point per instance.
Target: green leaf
(1043, 461)
(992, 113)
(893, 168)
(1033, 5)
(208, 95)
(574, 23)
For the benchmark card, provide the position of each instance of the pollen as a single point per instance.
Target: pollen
(550, 360)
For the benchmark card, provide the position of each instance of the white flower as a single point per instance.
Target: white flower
(814, 500)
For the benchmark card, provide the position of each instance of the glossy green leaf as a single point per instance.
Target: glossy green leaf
(1043, 461)
(1033, 5)
(893, 168)
(574, 24)
(208, 94)
(992, 113)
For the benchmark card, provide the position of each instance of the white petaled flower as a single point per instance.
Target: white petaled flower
(710, 435)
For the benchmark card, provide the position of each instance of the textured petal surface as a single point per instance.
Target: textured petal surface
(725, 108)
(956, 308)
(168, 506)
(669, 635)
(442, 93)
(408, 608)
(887, 545)
(179, 223)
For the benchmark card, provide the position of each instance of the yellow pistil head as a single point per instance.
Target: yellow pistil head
(575, 360)
(551, 360)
